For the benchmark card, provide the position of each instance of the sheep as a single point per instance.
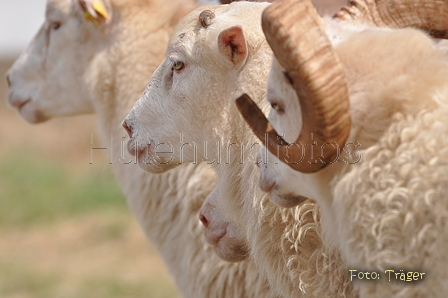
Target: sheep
(214, 54)
(402, 211)
(100, 66)
(383, 210)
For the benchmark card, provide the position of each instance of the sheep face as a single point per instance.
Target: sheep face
(188, 103)
(287, 187)
(381, 83)
(222, 234)
(48, 79)
(270, 167)
(279, 88)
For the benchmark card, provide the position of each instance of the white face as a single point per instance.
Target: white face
(165, 117)
(224, 236)
(285, 114)
(47, 79)
(287, 187)
(188, 103)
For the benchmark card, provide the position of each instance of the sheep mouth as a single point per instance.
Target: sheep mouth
(136, 149)
(20, 105)
(29, 113)
(16, 102)
(227, 247)
(214, 237)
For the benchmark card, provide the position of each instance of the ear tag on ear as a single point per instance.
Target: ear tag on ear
(99, 8)
(95, 14)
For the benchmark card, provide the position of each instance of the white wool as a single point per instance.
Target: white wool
(384, 211)
(103, 68)
(285, 244)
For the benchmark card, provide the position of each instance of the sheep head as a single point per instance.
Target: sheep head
(47, 80)
(223, 234)
(272, 178)
(211, 53)
(295, 33)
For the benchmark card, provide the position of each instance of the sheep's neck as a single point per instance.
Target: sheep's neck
(157, 201)
(169, 216)
(165, 207)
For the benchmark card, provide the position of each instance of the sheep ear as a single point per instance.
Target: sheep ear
(95, 11)
(232, 45)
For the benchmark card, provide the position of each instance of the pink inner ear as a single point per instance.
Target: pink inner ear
(232, 44)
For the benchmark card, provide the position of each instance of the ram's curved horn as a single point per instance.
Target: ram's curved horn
(295, 33)
(428, 15)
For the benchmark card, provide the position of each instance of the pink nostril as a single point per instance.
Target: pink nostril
(127, 128)
(203, 219)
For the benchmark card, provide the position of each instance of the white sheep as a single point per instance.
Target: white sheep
(385, 207)
(187, 114)
(78, 66)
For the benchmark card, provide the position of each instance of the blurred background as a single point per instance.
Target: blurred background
(65, 230)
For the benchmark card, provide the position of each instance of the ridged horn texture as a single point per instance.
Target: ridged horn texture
(295, 33)
(257, 121)
(206, 17)
(428, 15)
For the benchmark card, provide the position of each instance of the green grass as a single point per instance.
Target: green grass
(23, 280)
(41, 203)
(33, 190)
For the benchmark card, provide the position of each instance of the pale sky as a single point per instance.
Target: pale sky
(19, 22)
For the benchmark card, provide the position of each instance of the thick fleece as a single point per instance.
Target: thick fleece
(103, 67)
(198, 98)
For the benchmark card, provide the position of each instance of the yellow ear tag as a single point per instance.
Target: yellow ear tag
(99, 8)
(89, 17)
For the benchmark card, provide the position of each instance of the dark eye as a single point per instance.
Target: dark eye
(178, 65)
(287, 78)
(277, 107)
(55, 25)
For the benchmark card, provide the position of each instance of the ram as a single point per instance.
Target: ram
(381, 90)
(96, 57)
(187, 114)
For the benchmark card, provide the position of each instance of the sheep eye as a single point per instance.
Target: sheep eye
(178, 65)
(55, 25)
(287, 77)
(277, 107)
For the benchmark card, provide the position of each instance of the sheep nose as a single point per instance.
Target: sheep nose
(127, 127)
(8, 79)
(203, 219)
